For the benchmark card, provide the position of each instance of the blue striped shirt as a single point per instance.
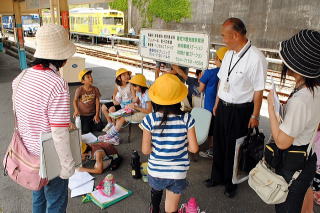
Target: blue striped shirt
(169, 156)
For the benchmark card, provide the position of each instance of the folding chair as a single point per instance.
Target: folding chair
(202, 119)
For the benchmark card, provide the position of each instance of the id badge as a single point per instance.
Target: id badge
(226, 87)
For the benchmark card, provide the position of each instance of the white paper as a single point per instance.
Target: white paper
(89, 138)
(83, 189)
(119, 192)
(78, 179)
(276, 101)
(236, 177)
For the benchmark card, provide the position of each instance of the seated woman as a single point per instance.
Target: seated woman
(105, 155)
(141, 105)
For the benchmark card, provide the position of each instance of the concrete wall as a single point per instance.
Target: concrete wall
(267, 21)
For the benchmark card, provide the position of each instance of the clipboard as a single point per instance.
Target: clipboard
(49, 157)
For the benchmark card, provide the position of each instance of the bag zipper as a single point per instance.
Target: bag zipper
(23, 161)
(301, 152)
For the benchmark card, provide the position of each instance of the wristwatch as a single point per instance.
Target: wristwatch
(255, 117)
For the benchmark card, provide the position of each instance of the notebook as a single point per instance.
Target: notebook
(104, 202)
(49, 161)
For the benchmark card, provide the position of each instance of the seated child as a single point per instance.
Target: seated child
(142, 106)
(86, 103)
(122, 95)
(105, 155)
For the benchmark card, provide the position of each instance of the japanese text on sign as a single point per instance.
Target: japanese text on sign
(181, 48)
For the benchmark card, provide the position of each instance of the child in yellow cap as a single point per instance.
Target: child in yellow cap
(168, 135)
(141, 105)
(122, 95)
(86, 103)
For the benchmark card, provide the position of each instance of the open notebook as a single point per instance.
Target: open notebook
(49, 161)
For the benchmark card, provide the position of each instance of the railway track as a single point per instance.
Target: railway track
(283, 93)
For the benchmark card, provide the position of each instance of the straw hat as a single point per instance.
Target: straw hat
(167, 90)
(221, 52)
(121, 71)
(82, 73)
(301, 53)
(52, 42)
(139, 80)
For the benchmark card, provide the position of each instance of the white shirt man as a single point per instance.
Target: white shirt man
(247, 76)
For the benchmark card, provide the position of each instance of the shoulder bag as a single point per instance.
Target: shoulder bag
(271, 187)
(20, 165)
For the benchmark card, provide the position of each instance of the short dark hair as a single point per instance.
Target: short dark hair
(143, 89)
(237, 25)
(46, 62)
(198, 72)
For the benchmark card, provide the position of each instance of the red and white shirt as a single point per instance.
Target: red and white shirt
(42, 101)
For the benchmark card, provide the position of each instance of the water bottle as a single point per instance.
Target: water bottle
(109, 188)
(192, 206)
(135, 164)
(78, 123)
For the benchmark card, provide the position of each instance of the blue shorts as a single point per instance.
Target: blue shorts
(176, 186)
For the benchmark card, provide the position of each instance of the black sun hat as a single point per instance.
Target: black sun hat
(301, 53)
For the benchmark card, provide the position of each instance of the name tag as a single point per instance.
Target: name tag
(226, 86)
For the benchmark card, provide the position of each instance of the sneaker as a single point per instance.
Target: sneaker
(206, 154)
(105, 137)
(114, 141)
(107, 127)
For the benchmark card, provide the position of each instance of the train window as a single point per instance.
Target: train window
(112, 21)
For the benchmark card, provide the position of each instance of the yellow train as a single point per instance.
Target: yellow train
(93, 22)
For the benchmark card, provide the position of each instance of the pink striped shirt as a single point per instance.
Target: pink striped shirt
(42, 101)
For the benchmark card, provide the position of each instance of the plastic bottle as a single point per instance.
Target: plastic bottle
(192, 206)
(108, 185)
(135, 164)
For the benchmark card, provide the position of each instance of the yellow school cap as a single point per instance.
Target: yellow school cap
(121, 71)
(221, 52)
(139, 79)
(167, 90)
(82, 73)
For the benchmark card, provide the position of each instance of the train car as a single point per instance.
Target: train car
(30, 24)
(93, 22)
(96, 22)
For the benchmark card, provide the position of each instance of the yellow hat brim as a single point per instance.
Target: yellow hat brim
(81, 74)
(123, 71)
(143, 84)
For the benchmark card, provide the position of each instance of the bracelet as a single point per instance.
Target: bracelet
(255, 117)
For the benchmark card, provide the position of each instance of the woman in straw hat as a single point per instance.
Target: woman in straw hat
(168, 135)
(43, 105)
(301, 57)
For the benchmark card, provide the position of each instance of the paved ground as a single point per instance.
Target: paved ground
(18, 200)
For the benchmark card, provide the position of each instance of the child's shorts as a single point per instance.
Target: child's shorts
(136, 117)
(111, 104)
(176, 186)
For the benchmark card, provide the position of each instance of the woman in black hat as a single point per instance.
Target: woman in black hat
(301, 60)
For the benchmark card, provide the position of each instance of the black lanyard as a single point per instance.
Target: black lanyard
(229, 71)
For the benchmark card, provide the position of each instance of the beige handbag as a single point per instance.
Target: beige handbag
(272, 188)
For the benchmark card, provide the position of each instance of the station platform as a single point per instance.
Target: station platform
(16, 199)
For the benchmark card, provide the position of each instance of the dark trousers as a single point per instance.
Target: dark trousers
(298, 188)
(88, 124)
(231, 123)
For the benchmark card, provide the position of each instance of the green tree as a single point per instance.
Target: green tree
(170, 10)
(121, 5)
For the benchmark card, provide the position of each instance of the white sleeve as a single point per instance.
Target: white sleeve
(61, 139)
(296, 118)
(258, 74)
